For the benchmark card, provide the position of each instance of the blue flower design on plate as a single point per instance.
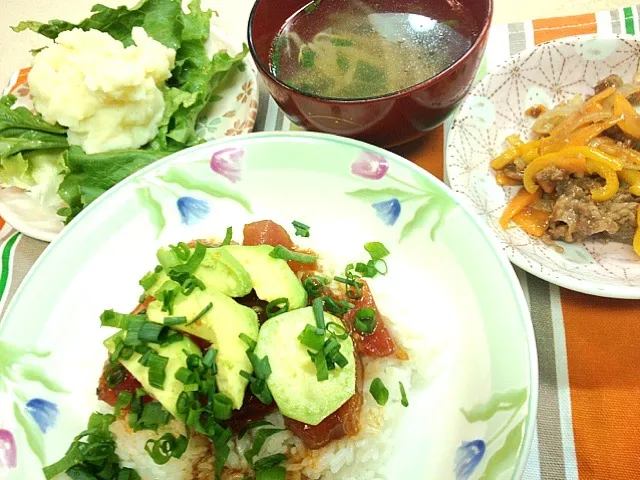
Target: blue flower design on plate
(388, 211)
(468, 456)
(192, 210)
(43, 412)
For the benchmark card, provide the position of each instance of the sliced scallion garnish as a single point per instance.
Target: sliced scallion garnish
(270, 461)
(227, 237)
(403, 394)
(201, 314)
(157, 365)
(261, 436)
(222, 406)
(337, 308)
(209, 359)
(312, 337)
(151, 332)
(285, 254)
(174, 320)
(338, 330)
(272, 473)
(251, 343)
(302, 230)
(277, 306)
(251, 426)
(165, 448)
(365, 321)
(115, 376)
(123, 401)
(149, 280)
(379, 392)
(314, 285)
(376, 249)
(318, 313)
(109, 318)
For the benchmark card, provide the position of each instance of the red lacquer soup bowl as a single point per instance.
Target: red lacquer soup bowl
(386, 120)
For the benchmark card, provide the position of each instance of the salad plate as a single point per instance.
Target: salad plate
(549, 74)
(473, 383)
(231, 112)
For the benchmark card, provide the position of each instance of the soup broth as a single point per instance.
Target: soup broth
(357, 49)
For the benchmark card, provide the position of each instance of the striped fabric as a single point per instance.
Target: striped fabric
(589, 414)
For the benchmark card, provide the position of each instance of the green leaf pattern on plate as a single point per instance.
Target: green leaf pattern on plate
(153, 207)
(505, 401)
(505, 457)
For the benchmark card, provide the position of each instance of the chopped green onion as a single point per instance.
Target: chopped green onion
(257, 382)
(190, 283)
(151, 332)
(261, 436)
(194, 361)
(201, 314)
(302, 230)
(312, 337)
(221, 449)
(133, 330)
(251, 343)
(285, 254)
(334, 328)
(115, 376)
(174, 320)
(376, 249)
(123, 401)
(183, 403)
(403, 394)
(227, 237)
(186, 376)
(365, 321)
(337, 308)
(222, 406)
(272, 473)
(157, 364)
(318, 313)
(171, 338)
(379, 392)
(153, 416)
(210, 358)
(166, 447)
(322, 371)
(126, 353)
(368, 269)
(109, 318)
(270, 461)
(251, 426)
(314, 285)
(277, 306)
(193, 262)
(167, 294)
(149, 280)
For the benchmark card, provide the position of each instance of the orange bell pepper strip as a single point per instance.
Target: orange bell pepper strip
(632, 177)
(612, 184)
(636, 237)
(534, 222)
(503, 180)
(517, 204)
(574, 164)
(630, 123)
(599, 97)
(515, 151)
(580, 137)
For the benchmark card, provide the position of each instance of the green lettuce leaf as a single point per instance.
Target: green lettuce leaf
(91, 175)
(15, 121)
(39, 173)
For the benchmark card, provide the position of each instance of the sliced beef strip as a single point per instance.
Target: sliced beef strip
(550, 176)
(576, 216)
(611, 81)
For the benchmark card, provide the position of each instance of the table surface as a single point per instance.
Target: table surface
(588, 423)
(15, 46)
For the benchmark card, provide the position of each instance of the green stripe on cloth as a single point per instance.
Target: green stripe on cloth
(628, 21)
(6, 256)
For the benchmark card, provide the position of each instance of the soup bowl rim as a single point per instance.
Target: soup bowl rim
(480, 37)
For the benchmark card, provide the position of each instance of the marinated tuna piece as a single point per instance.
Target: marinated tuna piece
(109, 394)
(252, 410)
(268, 232)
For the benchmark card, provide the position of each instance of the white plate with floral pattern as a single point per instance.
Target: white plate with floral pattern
(232, 112)
(472, 404)
(550, 73)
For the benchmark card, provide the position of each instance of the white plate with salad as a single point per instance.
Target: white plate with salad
(83, 131)
(284, 306)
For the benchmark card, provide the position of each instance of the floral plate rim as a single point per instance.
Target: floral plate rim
(560, 276)
(529, 415)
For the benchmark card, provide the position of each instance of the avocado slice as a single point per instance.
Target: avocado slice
(271, 277)
(293, 383)
(218, 269)
(222, 326)
(175, 352)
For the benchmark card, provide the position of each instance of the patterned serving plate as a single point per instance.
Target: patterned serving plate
(232, 112)
(548, 74)
(473, 403)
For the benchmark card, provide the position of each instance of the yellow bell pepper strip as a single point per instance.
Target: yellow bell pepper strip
(636, 237)
(599, 97)
(516, 150)
(568, 153)
(630, 123)
(609, 189)
(517, 204)
(632, 177)
(514, 140)
(534, 222)
(580, 137)
(503, 180)
(627, 155)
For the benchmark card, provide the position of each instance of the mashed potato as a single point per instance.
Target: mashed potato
(108, 95)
